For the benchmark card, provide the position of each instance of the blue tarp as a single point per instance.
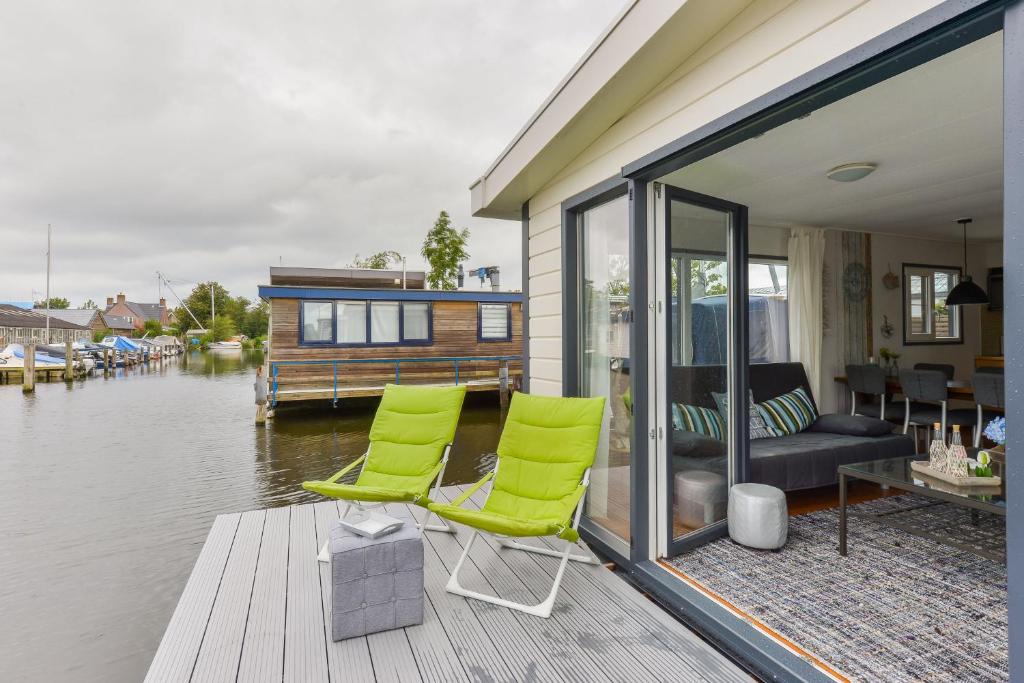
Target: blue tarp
(19, 352)
(768, 328)
(122, 344)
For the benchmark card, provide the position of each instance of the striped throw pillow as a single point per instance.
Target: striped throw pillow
(790, 413)
(698, 420)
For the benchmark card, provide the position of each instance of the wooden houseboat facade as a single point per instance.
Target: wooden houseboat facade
(331, 338)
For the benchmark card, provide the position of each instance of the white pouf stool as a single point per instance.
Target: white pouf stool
(758, 517)
(700, 498)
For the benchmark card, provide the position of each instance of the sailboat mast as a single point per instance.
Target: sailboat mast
(48, 260)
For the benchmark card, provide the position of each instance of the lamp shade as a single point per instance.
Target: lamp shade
(967, 292)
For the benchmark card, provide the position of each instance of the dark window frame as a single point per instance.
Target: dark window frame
(369, 343)
(905, 312)
(480, 322)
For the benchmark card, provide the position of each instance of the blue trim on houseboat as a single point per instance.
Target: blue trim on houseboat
(284, 292)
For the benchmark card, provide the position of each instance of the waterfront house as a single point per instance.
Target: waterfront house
(21, 326)
(775, 187)
(118, 324)
(138, 313)
(336, 333)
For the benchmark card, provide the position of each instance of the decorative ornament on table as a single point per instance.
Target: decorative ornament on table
(957, 463)
(938, 453)
(887, 328)
(891, 358)
(996, 430)
(891, 280)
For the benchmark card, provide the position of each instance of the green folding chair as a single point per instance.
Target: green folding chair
(410, 440)
(537, 486)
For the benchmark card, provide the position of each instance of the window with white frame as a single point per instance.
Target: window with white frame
(355, 323)
(495, 322)
(926, 318)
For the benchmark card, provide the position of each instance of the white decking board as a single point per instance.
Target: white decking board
(257, 607)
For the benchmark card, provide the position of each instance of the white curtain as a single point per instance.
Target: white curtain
(806, 261)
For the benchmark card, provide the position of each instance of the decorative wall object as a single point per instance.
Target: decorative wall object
(891, 280)
(887, 328)
(856, 296)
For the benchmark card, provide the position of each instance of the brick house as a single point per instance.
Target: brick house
(137, 313)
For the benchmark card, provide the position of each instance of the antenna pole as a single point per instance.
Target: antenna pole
(48, 261)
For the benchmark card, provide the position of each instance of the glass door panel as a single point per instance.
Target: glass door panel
(604, 358)
(699, 444)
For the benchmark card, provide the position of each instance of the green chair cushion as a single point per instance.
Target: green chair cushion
(410, 431)
(547, 444)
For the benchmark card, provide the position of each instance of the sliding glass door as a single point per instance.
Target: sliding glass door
(701, 319)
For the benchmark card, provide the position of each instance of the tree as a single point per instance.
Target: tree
(152, 328)
(379, 261)
(705, 279)
(444, 248)
(54, 302)
(223, 328)
(254, 322)
(90, 304)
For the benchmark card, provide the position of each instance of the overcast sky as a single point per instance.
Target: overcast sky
(210, 140)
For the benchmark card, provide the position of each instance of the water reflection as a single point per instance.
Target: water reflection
(109, 485)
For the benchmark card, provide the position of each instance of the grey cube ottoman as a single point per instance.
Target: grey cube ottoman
(376, 583)
(758, 516)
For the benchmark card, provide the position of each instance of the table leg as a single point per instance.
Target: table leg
(842, 515)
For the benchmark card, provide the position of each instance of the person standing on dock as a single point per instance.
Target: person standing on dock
(260, 387)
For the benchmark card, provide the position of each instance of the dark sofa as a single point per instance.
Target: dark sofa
(797, 461)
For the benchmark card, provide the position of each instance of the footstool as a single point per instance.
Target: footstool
(758, 517)
(376, 583)
(700, 498)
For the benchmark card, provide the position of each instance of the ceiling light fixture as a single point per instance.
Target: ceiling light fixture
(966, 291)
(847, 173)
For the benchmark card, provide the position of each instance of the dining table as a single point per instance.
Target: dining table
(958, 389)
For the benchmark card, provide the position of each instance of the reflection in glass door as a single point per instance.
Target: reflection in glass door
(697, 364)
(604, 357)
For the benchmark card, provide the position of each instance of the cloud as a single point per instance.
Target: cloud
(210, 140)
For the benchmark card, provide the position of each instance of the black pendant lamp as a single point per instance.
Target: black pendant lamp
(967, 291)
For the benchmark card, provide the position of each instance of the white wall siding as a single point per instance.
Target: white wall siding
(768, 44)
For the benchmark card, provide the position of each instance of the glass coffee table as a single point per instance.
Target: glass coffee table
(897, 473)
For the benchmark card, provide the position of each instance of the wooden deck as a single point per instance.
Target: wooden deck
(289, 394)
(257, 607)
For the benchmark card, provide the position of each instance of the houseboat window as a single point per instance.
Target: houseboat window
(495, 322)
(384, 322)
(351, 322)
(415, 321)
(317, 321)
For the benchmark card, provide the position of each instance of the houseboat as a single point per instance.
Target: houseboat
(341, 333)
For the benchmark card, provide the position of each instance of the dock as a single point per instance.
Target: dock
(257, 607)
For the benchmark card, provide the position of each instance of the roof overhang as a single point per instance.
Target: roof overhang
(645, 43)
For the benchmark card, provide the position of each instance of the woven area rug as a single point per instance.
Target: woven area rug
(897, 608)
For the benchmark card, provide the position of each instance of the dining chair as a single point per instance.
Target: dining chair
(944, 368)
(989, 392)
(926, 399)
(866, 379)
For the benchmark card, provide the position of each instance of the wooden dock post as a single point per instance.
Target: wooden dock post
(28, 375)
(69, 362)
(106, 362)
(503, 392)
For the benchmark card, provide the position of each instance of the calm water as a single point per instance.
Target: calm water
(108, 488)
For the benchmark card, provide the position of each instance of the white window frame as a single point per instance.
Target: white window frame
(928, 335)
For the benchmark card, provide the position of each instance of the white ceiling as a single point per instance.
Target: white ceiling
(935, 133)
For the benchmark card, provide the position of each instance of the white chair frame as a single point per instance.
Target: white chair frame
(543, 608)
(907, 423)
(445, 525)
(853, 405)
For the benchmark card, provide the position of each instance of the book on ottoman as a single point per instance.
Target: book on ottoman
(376, 583)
